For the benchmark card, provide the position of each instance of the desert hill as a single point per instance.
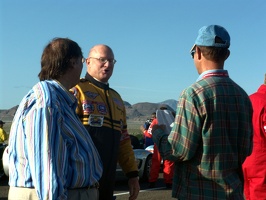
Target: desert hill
(7, 115)
(135, 112)
(142, 111)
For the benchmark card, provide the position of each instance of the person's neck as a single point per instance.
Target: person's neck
(210, 65)
(67, 84)
(100, 81)
(89, 76)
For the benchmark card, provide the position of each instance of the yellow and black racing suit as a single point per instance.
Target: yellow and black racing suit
(103, 113)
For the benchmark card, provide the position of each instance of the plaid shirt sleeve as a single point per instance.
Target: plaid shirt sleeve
(183, 140)
(186, 133)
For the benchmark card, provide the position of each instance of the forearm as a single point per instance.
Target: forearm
(126, 159)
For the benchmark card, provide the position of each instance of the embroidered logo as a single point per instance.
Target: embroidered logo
(88, 106)
(101, 107)
(118, 102)
(91, 95)
(96, 120)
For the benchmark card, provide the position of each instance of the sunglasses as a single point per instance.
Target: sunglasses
(193, 51)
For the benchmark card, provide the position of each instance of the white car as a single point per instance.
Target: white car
(143, 160)
(4, 159)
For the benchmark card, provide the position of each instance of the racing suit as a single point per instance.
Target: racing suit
(254, 167)
(3, 135)
(103, 113)
(168, 166)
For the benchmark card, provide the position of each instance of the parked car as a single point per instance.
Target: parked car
(143, 160)
(149, 148)
(3, 159)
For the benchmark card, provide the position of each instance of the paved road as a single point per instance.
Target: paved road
(160, 192)
(121, 190)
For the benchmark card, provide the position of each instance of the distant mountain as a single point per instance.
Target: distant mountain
(171, 102)
(135, 112)
(7, 115)
(142, 111)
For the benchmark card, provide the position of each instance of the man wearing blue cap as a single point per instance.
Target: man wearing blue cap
(212, 132)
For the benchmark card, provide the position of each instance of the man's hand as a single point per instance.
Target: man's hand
(134, 188)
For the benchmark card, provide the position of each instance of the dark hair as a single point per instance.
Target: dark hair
(215, 54)
(56, 57)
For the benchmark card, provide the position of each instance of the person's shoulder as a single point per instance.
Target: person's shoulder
(259, 94)
(83, 80)
(191, 90)
(113, 90)
(38, 97)
(154, 121)
(84, 84)
(45, 85)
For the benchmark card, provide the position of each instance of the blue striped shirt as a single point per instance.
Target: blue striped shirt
(49, 148)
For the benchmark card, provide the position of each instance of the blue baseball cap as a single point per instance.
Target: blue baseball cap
(208, 37)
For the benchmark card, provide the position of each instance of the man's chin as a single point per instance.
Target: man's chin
(105, 77)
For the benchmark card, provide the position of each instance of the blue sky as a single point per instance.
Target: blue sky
(151, 40)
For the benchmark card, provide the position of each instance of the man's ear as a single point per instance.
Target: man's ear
(198, 53)
(228, 54)
(87, 61)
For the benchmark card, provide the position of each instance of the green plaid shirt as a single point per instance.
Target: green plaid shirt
(210, 140)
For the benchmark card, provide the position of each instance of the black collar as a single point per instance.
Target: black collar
(97, 83)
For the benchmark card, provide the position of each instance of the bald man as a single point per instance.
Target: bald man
(102, 111)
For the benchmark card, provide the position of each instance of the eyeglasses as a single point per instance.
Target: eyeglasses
(104, 60)
(83, 60)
